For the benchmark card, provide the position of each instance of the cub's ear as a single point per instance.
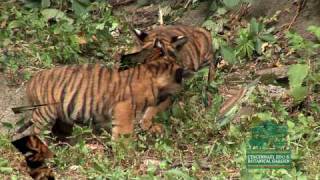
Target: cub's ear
(179, 41)
(141, 35)
(183, 73)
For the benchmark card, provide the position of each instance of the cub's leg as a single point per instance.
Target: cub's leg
(123, 116)
(211, 73)
(62, 130)
(147, 123)
(102, 123)
(28, 143)
(35, 152)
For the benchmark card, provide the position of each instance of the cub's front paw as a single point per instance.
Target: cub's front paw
(156, 128)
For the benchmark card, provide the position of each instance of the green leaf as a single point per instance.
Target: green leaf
(258, 46)
(32, 4)
(299, 93)
(231, 3)
(55, 13)
(268, 37)
(3, 162)
(228, 54)
(254, 26)
(297, 73)
(45, 3)
(14, 24)
(7, 125)
(209, 24)
(315, 30)
(100, 26)
(6, 170)
(80, 7)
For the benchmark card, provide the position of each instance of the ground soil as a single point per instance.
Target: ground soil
(146, 16)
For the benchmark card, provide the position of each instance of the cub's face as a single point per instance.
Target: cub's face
(151, 50)
(171, 81)
(171, 44)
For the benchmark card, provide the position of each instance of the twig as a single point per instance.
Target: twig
(160, 16)
(232, 101)
(100, 141)
(301, 4)
(187, 4)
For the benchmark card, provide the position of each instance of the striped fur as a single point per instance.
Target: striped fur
(80, 93)
(195, 54)
(190, 46)
(35, 153)
(63, 96)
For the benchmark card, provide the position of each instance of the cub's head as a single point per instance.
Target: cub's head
(171, 44)
(154, 49)
(168, 77)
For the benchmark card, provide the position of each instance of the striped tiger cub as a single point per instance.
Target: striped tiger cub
(194, 47)
(195, 54)
(80, 93)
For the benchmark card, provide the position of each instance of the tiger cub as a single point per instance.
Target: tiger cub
(80, 93)
(194, 45)
(195, 54)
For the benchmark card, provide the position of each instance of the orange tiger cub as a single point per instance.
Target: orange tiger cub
(80, 93)
(195, 54)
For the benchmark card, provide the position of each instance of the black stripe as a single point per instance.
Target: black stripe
(171, 69)
(71, 103)
(190, 58)
(92, 94)
(152, 88)
(145, 105)
(83, 105)
(42, 118)
(99, 78)
(54, 83)
(47, 113)
(196, 48)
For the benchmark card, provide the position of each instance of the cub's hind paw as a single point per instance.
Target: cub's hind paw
(42, 173)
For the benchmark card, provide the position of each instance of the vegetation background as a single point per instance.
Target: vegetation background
(207, 129)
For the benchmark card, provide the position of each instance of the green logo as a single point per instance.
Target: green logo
(268, 147)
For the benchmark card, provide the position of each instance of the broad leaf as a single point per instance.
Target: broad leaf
(299, 93)
(228, 54)
(231, 3)
(315, 30)
(297, 73)
(55, 13)
(80, 6)
(268, 37)
(45, 3)
(254, 26)
(258, 46)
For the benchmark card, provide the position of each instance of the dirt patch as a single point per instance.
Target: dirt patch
(9, 97)
(146, 15)
(306, 11)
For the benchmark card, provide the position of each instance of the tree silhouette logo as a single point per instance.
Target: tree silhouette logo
(268, 147)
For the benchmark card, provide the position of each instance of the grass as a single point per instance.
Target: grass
(193, 145)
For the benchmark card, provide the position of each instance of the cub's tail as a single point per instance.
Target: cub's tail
(21, 109)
